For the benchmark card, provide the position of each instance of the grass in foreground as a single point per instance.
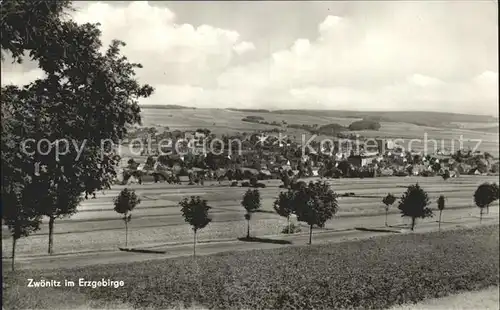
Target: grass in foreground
(485, 299)
(375, 273)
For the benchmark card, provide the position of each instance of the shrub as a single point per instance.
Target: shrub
(256, 118)
(284, 205)
(234, 183)
(291, 229)
(285, 178)
(298, 185)
(427, 173)
(364, 124)
(331, 129)
(253, 119)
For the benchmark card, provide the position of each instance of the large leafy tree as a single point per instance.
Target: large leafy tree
(415, 204)
(124, 203)
(20, 217)
(485, 194)
(315, 204)
(251, 202)
(195, 212)
(26, 24)
(23, 26)
(18, 211)
(86, 98)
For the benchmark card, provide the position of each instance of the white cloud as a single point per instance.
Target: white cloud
(386, 66)
(17, 77)
(243, 47)
(171, 53)
(410, 55)
(424, 81)
(487, 78)
(329, 23)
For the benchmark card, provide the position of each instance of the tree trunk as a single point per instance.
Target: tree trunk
(412, 223)
(194, 244)
(310, 233)
(14, 239)
(386, 211)
(248, 229)
(51, 234)
(487, 209)
(480, 215)
(440, 212)
(288, 219)
(126, 232)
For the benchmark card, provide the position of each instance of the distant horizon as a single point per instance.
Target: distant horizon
(181, 106)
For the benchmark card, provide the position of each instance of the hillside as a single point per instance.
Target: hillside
(393, 125)
(422, 118)
(166, 107)
(418, 117)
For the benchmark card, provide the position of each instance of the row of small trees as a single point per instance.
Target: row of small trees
(389, 200)
(314, 204)
(194, 210)
(414, 202)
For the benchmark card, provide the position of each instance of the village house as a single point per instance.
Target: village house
(380, 145)
(390, 145)
(361, 160)
(418, 169)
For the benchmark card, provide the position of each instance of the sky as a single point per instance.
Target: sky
(377, 55)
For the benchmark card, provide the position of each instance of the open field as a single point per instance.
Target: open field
(228, 119)
(420, 117)
(157, 220)
(374, 273)
(398, 126)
